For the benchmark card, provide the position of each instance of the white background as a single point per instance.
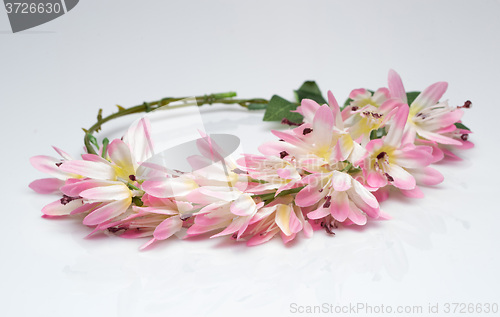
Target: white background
(55, 77)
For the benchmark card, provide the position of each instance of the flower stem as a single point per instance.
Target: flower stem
(223, 98)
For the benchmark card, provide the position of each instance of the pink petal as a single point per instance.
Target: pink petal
(169, 187)
(427, 176)
(334, 105)
(295, 222)
(356, 215)
(107, 193)
(396, 130)
(238, 224)
(323, 126)
(319, 213)
(138, 137)
(437, 137)
(119, 153)
(448, 119)
(262, 237)
(167, 228)
(356, 92)
(308, 108)
(107, 212)
(56, 208)
(47, 185)
(341, 181)
(286, 238)
(340, 206)
(430, 96)
(74, 189)
(84, 208)
(244, 205)
(375, 179)
(47, 164)
(413, 193)
(396, 86)
(95, 158)
(63, 154)
(309, 196)
(402, 179)
(282, 218)
(89, 169)
(416, 157)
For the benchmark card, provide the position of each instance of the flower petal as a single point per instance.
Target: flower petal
(282, 218)
(167, 228)
(244, 205)
(89, 169)
(396, 86)
(56, 208)
(429, 97)
(47, 185)
(107, 212)
(402, 179)
(107, 193)
(47, 164)
(396, 130)
(340, 206)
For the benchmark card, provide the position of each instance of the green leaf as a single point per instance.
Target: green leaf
(377, 134)
(279, 108)
(309, 90)
(257, 106)
(411, 96)
(461, 126)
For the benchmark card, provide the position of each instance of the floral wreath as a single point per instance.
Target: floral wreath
(332, 167)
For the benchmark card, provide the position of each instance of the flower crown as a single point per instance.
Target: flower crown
(332, 167)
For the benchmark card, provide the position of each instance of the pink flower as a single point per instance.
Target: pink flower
(323, 141)
(337, 194)
(283, 217)
(102, 187)
(389, 161)
(428, 117)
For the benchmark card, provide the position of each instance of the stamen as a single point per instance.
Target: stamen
(67, 199)
(307, 131)
(466, 105)
(286, 121)
(389, 177)
(283, 154)
(327, 202)
(321, 190)
(132, 178)
(58, 164)
(381, 155)
(354, 108)
(464, 137)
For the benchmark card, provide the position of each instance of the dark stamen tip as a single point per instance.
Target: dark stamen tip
(327, 202)
(464, 137)
(381, 155)
(307, 131)
(132, 178)
(58, 164)
(283, 154)
(389, 177)
(290, 123)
